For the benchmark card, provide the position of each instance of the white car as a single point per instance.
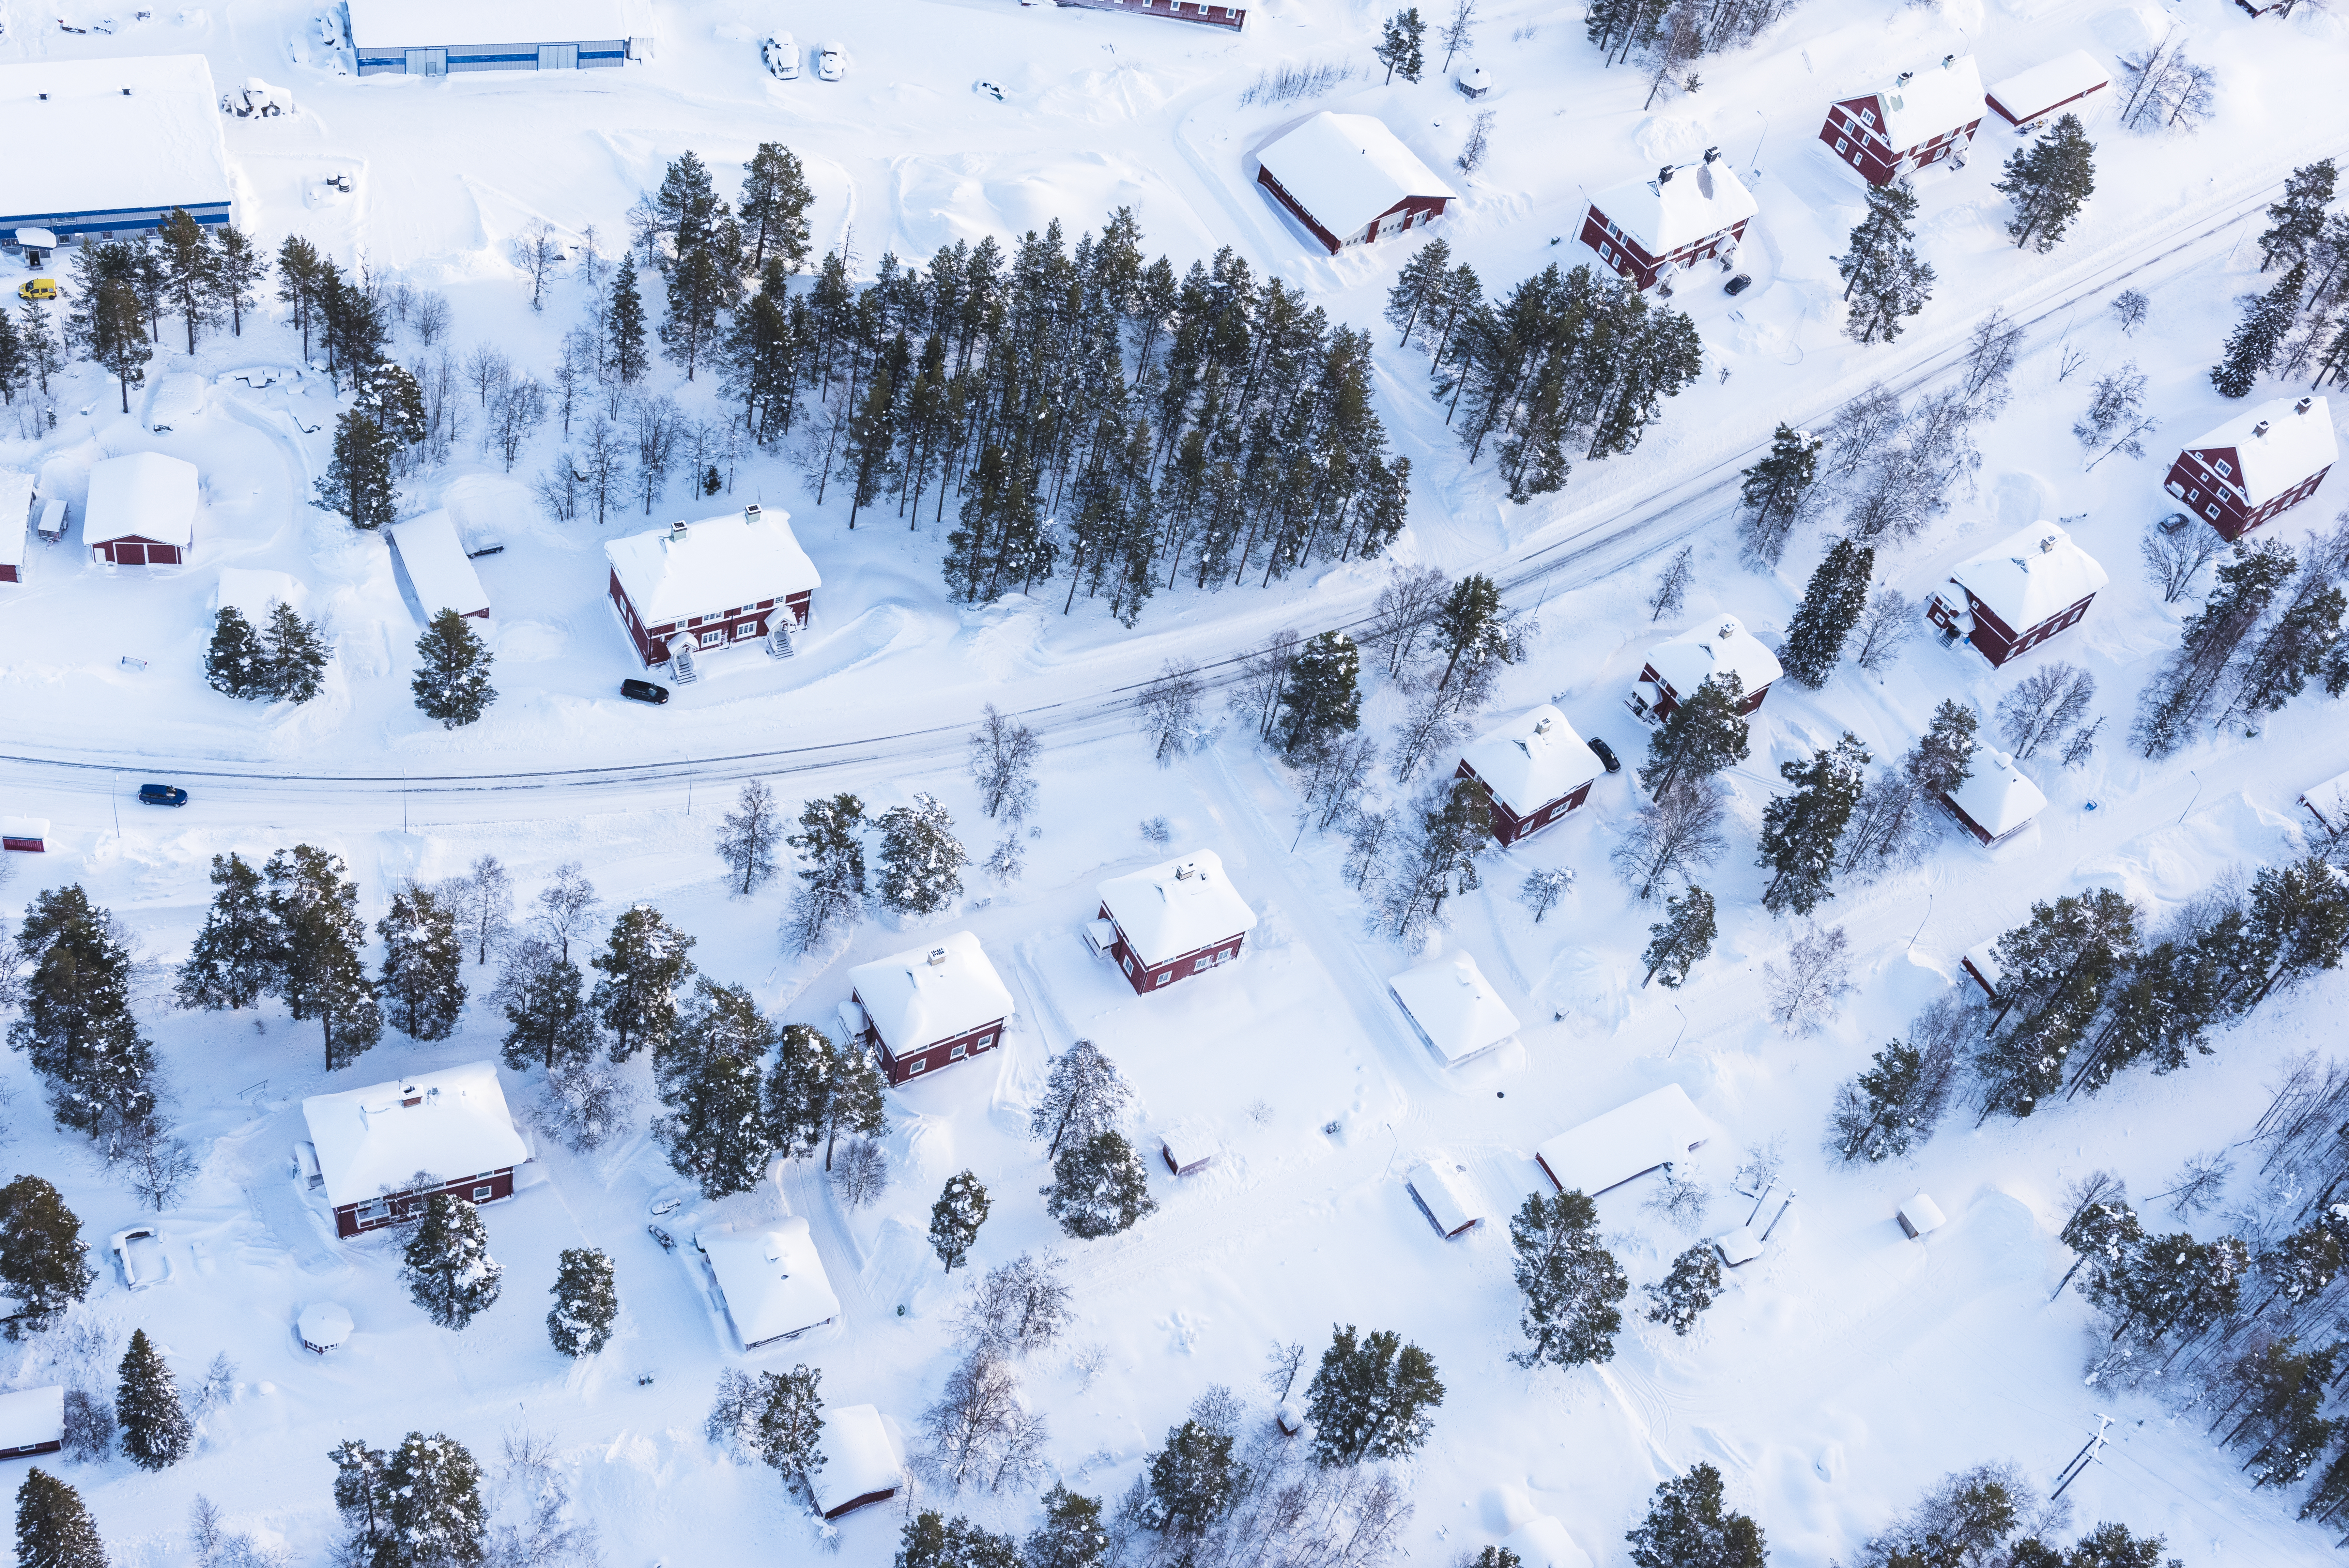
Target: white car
(781, 54)
(831, 62)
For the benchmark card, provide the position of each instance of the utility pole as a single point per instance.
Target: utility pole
(2084, 1459)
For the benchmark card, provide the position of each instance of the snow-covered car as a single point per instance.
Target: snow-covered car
(257, 99)
(139, 1251)
(831, 62)
(781, 54)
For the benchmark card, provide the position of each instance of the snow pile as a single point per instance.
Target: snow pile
(452, 1123)
(254, 594)
(1542, 1542)
(15, 520)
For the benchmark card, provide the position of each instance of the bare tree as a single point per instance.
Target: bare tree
(159, 1166)
(2129, 308)
(2043, 705)
(861, 1170)
(979, 1422)
(1400, 618)
(603, 466)
(573, 374)
(1368, 832)
(2198, 1185)
(1169, 707)
(2176, 549)
(1427, 733)
(1860, 429)
(1542, 888)
(1991, 349)
(427, 317)
(539, 255)
(1003, 764)
(1671, 585)
(519, 410)
(748, 840)
(587, 1102)
(2115, 419)
(1264, 676)
(486, 370)
(1884, 628)
(1020, 1306)
(567, 907)
(1681, 1197)
(1817, 973)
(1333, 775)
(654, 425)
(483, 900)
(1675, 832)
(1456, 35)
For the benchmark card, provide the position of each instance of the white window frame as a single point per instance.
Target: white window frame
(1200, 964)
(714, 638)
(1165, 976)
(984, 1043)
(916, 1066)
(483, 1194)
(745, 629)
(957, 1052)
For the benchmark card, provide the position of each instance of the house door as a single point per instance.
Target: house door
(428, 62)
(129, 555)
(558, 57)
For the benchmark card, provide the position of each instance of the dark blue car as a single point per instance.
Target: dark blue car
(162, 794)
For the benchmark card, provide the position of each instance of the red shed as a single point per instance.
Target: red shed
(1180, 919)
(929, 1008)
(28, 833)
(1232, 17)
(141, 511)
(2029, 97)
(691, 588)
(1719, 647)
(2018, 593)
(1350, 181)
(2260, 463)
(1686, 213)
(1536, 768)
(1922, 118)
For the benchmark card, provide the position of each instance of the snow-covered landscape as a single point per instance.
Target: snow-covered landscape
(980, 783)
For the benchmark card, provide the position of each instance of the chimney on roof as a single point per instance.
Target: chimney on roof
(126, 92)
(2047, 545)
(1542, 727)
(1947, 60)
(1664, 175)
(937, 957)
(2303, 406)
(750, 513)
(1902, 81)
(677, 529)
(1711, 154)
(1186, 871)
(1728, 630)
(2259, 428)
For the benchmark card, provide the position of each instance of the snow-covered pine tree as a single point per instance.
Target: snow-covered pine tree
(231, 960)
(452, 672)
(2174, 703)
(1455, 826)
(1704, 735)
(423, 964)
(447, 1265)
(1323, 697)
(626, 357)
(43, 1262)
(2049, 182)
(156, 1431)
(53, 1529)
(1882, 278)
(1572, 1284)
(233, 665)
(832, 874)
(1831, 605)
(430, 1505)
(1675, 832)
(799, 1089)
(708, 1079)
(921, 859)
(319, 973)
(43, 356)
(1193, 1482)
(1372, 1397)
(788, 1416)
(1471, 626)
(75, 1018)
(547, 1016)
(2055, 972)
(2252, 346)
(955, 1219)
(1681, 940)
(2302, 639)
(774, 204)
(748, 838)
(2297, 922)
(1071, 1535)
(1681, 1296)
(1084, 1094)
(1686, 1525)
(1399, 46)
(587, 1303)
(359, 481)
(1419, 288)
(2295, 223)
(1671, 584)
(1800, 830)
(293, 655)
(1003, 764)
(643, 966)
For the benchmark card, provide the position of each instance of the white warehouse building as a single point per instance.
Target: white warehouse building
(441, 38)
(107, 146)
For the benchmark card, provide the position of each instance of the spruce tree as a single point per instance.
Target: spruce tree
(698, 293)
(298, 268)
(585, 1302)
(1682, 1296)
(708, 1079)
(1471, 624)
(1571, 1282)
(1399, 46)
(1704, 735)
(234, 664)
(53, 1529)
(447, 1265)
(156, 1431)
(2297, 923)
(921, 859)
(1831, 606)
(773, 205)
(233, 964)
(1192, 1480)
(43, 1262)
(1071, 1536)
(1681, 940)
(452, 671)
(643, 967)
(359, 481)
(1084, 1094)
(43, 356)
(388, 393)
(1324, 696)
(293, 655)
(2048, 181)
(625, 353)
(955, 1220)
(75, 1019)
(117, 336)
(423, 965)
(2175, 699)
(15, 365)
(832, 873)
(1800, 831)
(2295, 223)
(1686, 1527)
(237, 266)
(547, 1017)
(1882, 278)
(319, 973)
(789, 1422)
(2055, 972)
(433, 1516)
(748, 837)
(1372, 1397)
(1098, 1188)
(856, 1105)
(2251, 347)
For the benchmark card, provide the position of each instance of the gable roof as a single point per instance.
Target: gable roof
(438, 565)
(1532, 760)
(719, 562)
(1699, 200)
(1718, 645)
(2032, 574)
(143, 495)
(2027, 94)
(158, 145)
(772, 1281)
(915, 1003)
(1455, 1007)
(1609, 1150)
(1176, 908)
(1448, 1193)
(425, 24)
(1347, 169)
(15, 515)
(1996, 796)
(30, 1416)
(1938, 99)
(371, 1140)
(859, 1460)
(2293, 446)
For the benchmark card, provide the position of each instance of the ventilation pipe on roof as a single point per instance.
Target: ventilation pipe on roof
(2259, 428)
(1947, 60)
(677, 529)
(2047, 545)
(750, 513)
(2303, 406)
(1712, 154)
(1542, 727)
(937, 957)
(1186, 871)
(1664, 175)
(1904, 78)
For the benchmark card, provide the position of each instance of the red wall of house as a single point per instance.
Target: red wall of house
(2223, 509)
(135, 552)
(1879, 163)
(928, 1059)
(499, 1182)
(1630, 259)
(1232, 17)
(1147, 978)
(1992, 638)
(1508, 827)
(652, 642)
(1422, 211)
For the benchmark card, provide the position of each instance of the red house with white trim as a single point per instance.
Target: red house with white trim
(693, 588)
(928, 1008)
(1180, 919)
(1350, 181)
(2262, 462)
(1720, 646)
(1536, 768)
(2018, 593)
(1687, 212)
(1234, 18)
(372, 1143)
(141, 511)
(1922, 118)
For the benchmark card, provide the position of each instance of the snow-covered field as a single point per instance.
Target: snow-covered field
(1841, 1374)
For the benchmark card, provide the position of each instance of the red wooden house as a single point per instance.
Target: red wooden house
(1232, 17)
(1536, 768)
(1180, 919)
(1685, 215)
(2262, 462)
(1995, 800)
(1922, 118)
(687, 590)
(371, 1145)
(1348, 178)
(141, 511)
(2018, 593)
(1719, 647)
(929, 1007)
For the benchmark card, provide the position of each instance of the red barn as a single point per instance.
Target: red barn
(2018, 593)
(691, 588)
(2262, 462)
(1922, 118)
(1720, 646)
(371, 1145)
(1232, 17)
(928, 1008)
(141, 511)
(1685, 215)
(1180, 919)
(1536, 769)
(1348, 178)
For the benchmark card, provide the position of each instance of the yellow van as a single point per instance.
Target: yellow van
(39, 288)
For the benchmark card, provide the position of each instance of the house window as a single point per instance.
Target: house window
(2214, 512)
(375, 1212)
(1841, 145)
(957, 1054)
(1868, 115)
(1199, 964)
(1165, 976)
(1128, 961)
(1607, 254)
(985, 1041)
(2224, 467)
(483, 1194)
(918, 1064)
(746, 629)
(714, 638)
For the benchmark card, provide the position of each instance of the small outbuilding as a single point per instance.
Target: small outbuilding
(1447, 1195)
(440, 37)
(1688, 212)
(141, 511)
(29, 835)
(687, 590)
(2329, 804)
(1536, 768)
(324, 1326)
(2065, 82)
(437, 567)
(1676, 667)
(1923, 118)
(2017, 594)
(1918, 1215)
(930, 1007)
(860, 1462)
(2258, 465)
(1542, 1542)
(1454, 1009)
(15, 522)
(1981, 966)
(1350, 181)
(1186, 1149)
(1631, 1140)
(32, 1421)
(372, 1143)
(1995, 801)
(1172, 921)
(771, 1281)
(110, 146)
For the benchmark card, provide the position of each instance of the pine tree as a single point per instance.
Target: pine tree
(2295, 223)
(1372, 1397)
(2251, 347)
(1071, 1536)
(626, 355)
(1084, 1095)
(1681, 940)
(1682, 1296)
(1800, 831)
(748, 838)
(1471, 624)
(708, 1077)
(2055, 972)
(1098, 1188)
(955, 1220)
(189, 270)
(832, 876)
(74, 1015)
(1703, 734)
(1399, 48)
(2048, 181)
(799, 1089)
(447, 1265)
(585, 1302)
(292, 655)
(1882, 278)
(156, 1431)
(319, 973)
(15, 365)
(423, 965)
(2302, 641)
(53, 1529)
(1831, 606)
(43, 356)
(117, 336)
(857, 1104)
(389, 394)
(1686, 1528)
(43, 1262)
(452, 672)
(234, 664)
(547, 1014)
(2298, 922)
(789, 1422)
(237, 266)
(872, 428)
(432, 1506)
(921, 859)
(643, 967)
(1671, 584)
(774, 204)
(233, 961)
(1193, 1482)
(1887, 1111)
(1572, 1284)
(2174, 701)
(358, 478)
(1323, 697)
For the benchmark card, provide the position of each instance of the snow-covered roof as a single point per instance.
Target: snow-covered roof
(719, 562)
(452, 1123)
(859, 1460)
(1982, 963)
(1176, 908)
(1995, 796)
(32, 1416)
(1717, 645)
(1699, 200)
(323, 1325)
(933, 992)
(33, 827)
(1542, 1542)
(1448, 1193)
(772, 1281)
(2027, 94)
(15, 515)
(1609, 1150)
(176, 399)
(1532, 760)
(1921, 1214)
(436, 564)
(2030, 575)
(253, 593)
(93, 149)
(1347, 169)
(144, 495)
(2329, 802)
(1455, 1007)
(1938, 99)
(424, 24)
(2271, 460)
